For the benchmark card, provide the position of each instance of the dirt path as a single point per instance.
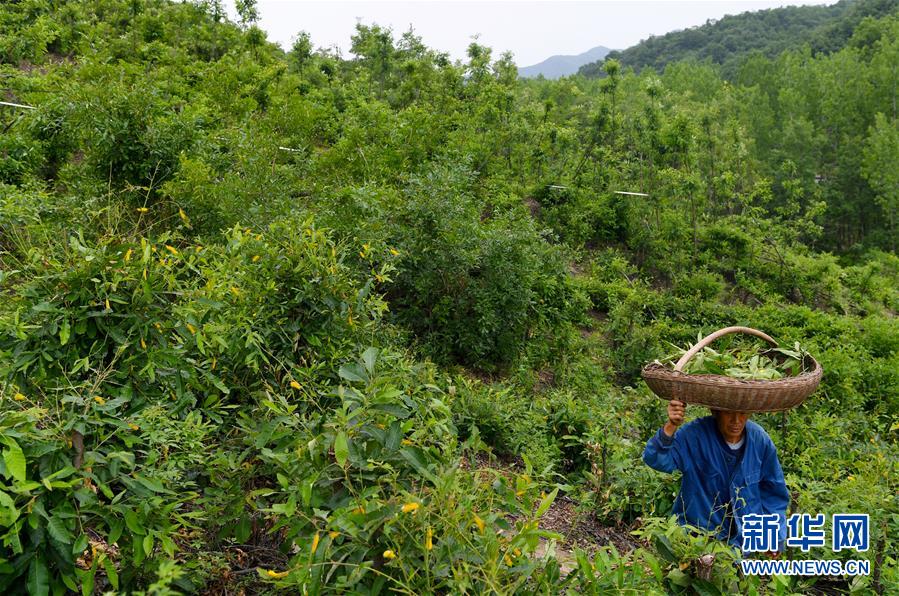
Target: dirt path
(582, 530)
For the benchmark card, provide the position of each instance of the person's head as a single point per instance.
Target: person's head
(731, 424)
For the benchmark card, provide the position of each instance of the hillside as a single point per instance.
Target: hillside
(730, 40)
(301, 322)
(562, 66)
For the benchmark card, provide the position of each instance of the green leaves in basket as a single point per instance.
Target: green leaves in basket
(794, 360)
(742, 362)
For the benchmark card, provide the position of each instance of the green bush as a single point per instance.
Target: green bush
(236, 286)
(581, 217)
(20, 157)
(634, 341)
(880, 336)
(700, 284)
(129, 127)
(116, 357)
(473, 292)
(508, 422)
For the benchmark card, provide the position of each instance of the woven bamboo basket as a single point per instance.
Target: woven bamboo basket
(726, 393)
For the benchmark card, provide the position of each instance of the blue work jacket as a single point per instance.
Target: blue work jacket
(697, 450)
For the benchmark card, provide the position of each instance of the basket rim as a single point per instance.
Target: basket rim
(658, 370)
(720, 392)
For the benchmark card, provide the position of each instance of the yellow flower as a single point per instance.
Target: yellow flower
(158, 326)
(142, 209)
(18, 397)
(99, 400)
(256, 258)
(429, 535)
(361, 254)
(191, 328)
(143, 344)
(333, 534)
(182, 214)
(171, 249)
(411, 507)
(235, 291)
(145, 274)
(479, 523)
(508, 560)
(315, 542)
(276, 574)
(394, 251)
(517, 552)
(107, 304)
(133, 426)
(389, 554)
(406, 442)
(359, 509)
(128, 255)
(295, 385)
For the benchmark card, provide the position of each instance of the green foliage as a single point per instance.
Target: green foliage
(609, 572)
(880, 156)
(681, 549)
(742, 362)
(580, 217)
(134, 134)
(734, 38)
(509, 423)
(473, 288)
(703, 285)
(107, 344)
(247, 295)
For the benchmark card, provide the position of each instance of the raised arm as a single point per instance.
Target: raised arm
(663, 450)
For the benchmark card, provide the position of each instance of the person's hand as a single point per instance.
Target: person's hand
(676, 411)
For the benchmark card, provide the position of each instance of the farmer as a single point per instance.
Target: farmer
(729, 466)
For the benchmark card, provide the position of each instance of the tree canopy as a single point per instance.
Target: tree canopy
(731, 40)
(286, 319)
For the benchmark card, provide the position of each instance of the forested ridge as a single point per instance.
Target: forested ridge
(731, 40)
(367, 323)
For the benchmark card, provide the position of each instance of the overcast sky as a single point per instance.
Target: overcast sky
(532, 31)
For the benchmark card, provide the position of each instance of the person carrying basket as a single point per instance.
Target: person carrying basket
(729, 464)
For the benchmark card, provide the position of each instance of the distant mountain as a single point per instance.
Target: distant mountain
(731, 39)
(560, 66)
